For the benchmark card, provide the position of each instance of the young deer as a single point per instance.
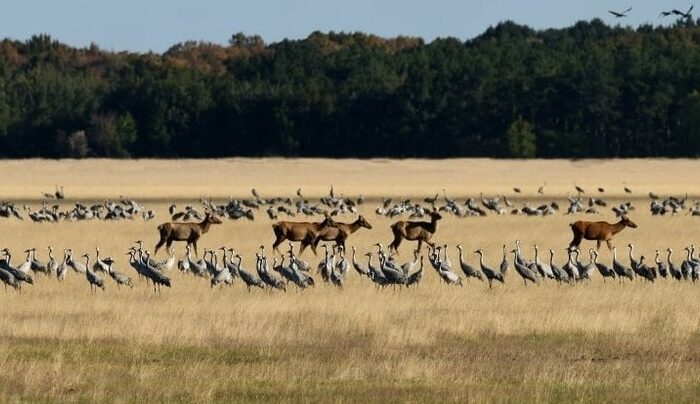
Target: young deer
(412, 231)
(599, 231)
(189, 232)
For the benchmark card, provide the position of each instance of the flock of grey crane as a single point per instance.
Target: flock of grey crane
(334, 205)
(224, 267)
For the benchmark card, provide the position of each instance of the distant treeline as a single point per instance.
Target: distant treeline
(590, 90)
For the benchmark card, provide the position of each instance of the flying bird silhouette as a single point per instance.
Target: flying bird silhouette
(682, 14)
(618, 14)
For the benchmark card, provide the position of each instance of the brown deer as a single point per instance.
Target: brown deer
(306, 232)
(421, 231)
(189, 232)
(599, 231)
(339, 232)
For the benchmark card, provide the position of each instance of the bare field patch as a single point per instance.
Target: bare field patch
(597, 341)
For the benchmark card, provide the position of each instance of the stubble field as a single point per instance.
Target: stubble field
(594, 341)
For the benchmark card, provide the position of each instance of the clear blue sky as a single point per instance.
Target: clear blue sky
(157, 24)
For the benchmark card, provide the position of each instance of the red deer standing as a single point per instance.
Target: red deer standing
(599, 231)
(189, 232)
(339, 232)
(421, 231)
(306, 232)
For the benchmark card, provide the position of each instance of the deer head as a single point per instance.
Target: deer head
(363, 222)
(624, 220)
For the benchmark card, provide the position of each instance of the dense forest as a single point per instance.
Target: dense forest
(590, 90)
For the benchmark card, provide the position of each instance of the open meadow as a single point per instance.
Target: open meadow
(593, 341)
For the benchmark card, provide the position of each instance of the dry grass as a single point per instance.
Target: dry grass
(590, 342)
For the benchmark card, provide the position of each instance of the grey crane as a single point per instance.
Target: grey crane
(150, 262)
(99, 265)
(646, 272)
(153, 274)
(75, 265)
(544, 269)
(222, 274)
(689, 266)
(469, 271)
(619, 14)
(660, 266)
(59, 193)
(445, 272)
(375, 273)
(118, 277)
(26, 266)
(522, 270)
(446, 260)
(327, 265)
(135, 263)
(521, 259)
(183, 264)
(198, 268)
(694, 261)
(620, 270)
(604, 270)
(407, 267)
(52, 265)
(504, 263)
(415, 278)
(363, 271)
(633, 262)
(391, 271)
(169, 263)
(62, 269)
(559, 274)
(209, 263)
(673, 270)
(93, 278)
(570, 268)
(9, 279)
(19, 275)
(342, 265)
(248, 278)
(230, 264)
(265, 275)
(490, 274)
(682, 14)
(35, 264)
(584, 271)
(642, 271)
(286, 272)
(540, 190)
(301, 278)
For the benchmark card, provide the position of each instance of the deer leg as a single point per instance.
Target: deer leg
(316, 242)
(599, 242)
(576, 241)
(277, 242)
(395, 244)
(313, 247)
(609, 244)
(160, 244)
(194, 244)
(302, 248)
(306, 243)
(420, 244)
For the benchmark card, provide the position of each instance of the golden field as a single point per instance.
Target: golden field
(610, 342)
